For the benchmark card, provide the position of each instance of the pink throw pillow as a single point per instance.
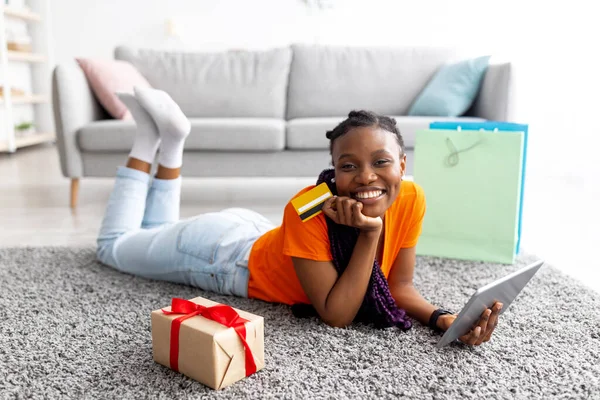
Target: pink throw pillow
(106, 77)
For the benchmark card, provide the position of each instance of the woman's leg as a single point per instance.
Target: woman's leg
(209, 251)
(164, 196)
(122, 243)
(127, 202)
(162, 202)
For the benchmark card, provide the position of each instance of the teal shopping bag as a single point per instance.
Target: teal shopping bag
(472, 182)
(495, 126)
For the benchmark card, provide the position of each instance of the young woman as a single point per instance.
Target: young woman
(353, 262)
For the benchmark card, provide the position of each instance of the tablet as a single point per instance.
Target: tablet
(504, 290)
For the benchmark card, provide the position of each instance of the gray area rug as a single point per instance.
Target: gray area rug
(73, 328)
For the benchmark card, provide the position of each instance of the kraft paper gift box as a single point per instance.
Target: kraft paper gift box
(212, 343)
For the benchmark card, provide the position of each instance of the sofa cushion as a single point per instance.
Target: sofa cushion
(309, 133)
(106, 77)
(452, 90)
(243, 134)
(222, 84)
(326, 81)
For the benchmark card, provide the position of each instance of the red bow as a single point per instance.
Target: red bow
(220, 313)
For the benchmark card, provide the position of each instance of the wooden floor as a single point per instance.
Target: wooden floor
(561, 215)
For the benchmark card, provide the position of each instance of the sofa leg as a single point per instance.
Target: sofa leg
(74, 192)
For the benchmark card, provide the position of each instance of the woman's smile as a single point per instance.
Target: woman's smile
(368, 195)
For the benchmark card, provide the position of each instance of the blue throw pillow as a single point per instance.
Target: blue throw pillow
(452, 90)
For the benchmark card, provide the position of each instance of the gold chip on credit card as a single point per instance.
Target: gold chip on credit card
(309, 204)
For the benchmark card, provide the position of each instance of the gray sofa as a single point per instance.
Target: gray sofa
(260, 113)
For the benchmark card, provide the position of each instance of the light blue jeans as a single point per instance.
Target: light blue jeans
(141, 234)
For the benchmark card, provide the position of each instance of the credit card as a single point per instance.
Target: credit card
(309, 204)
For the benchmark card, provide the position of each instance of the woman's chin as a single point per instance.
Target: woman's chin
(373, 211)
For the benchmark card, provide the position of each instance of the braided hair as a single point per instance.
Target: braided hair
(378, 306)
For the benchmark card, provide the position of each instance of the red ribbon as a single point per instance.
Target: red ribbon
(220, 313)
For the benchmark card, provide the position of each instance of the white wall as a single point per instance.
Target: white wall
(93, 28)
(552, 43)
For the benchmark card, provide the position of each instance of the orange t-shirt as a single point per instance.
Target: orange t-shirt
(272, 274)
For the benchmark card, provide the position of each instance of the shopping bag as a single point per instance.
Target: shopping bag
(472, 177)
(497, 127)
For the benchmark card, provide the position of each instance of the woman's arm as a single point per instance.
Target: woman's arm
(406, 295)
(338, 299)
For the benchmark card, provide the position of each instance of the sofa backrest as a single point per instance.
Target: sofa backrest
(222, 84)
(330, 81)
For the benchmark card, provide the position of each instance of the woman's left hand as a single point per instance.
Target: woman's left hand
(481, 331)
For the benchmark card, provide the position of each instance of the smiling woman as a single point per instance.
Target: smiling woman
(352, 262)
(369, 162)
(348, 267)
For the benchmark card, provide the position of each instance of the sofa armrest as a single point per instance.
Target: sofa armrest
(495, 99)
(74, 106)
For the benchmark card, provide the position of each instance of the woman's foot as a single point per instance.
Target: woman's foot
(147, 139)
(173, 125)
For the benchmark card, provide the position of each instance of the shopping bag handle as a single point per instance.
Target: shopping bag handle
(452, 158)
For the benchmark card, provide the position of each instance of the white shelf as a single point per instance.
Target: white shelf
(29, 140)
(27, 99)
(24, 14)
(24, 56)
(29, 71)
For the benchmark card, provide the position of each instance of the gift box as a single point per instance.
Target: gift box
(212, 343)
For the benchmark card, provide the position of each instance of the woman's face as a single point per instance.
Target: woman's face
(368, 168)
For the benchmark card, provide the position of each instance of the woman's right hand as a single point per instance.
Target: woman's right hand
(347, 211)
(482, 330)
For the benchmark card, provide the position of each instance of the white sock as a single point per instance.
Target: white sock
(146, 139)
(173, 125)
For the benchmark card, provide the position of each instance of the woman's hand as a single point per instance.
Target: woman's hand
(347, 211)
(481, 331)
